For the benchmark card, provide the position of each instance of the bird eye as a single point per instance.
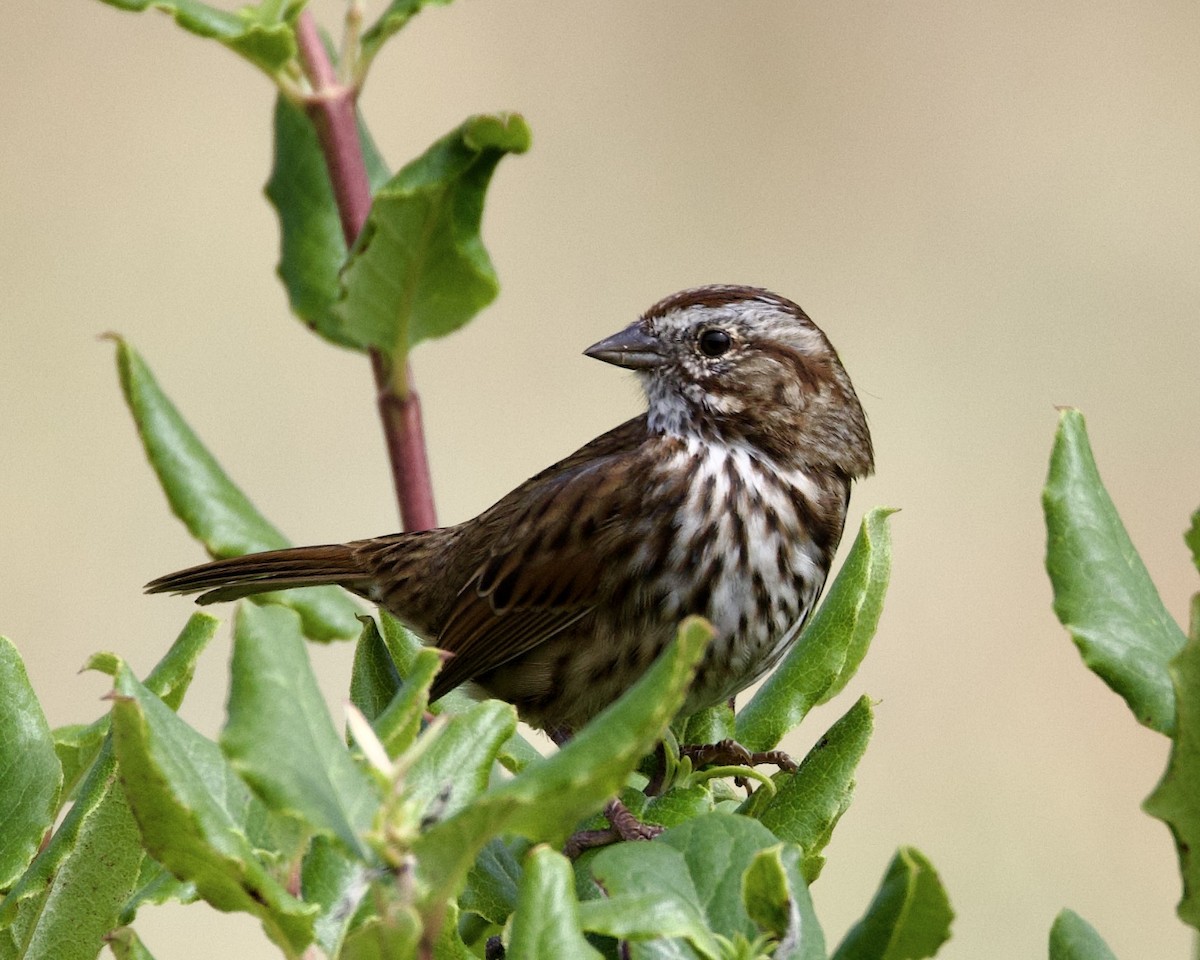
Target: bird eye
(714, 342)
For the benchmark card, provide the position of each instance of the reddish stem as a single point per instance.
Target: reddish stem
(331, 107)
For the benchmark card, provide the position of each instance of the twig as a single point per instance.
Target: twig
(331, 107)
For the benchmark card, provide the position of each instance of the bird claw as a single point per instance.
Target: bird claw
(731, 753)
(623, 825)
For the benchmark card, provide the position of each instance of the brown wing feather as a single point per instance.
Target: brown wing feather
(548, 558)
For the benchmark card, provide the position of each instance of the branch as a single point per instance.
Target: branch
(331, 107)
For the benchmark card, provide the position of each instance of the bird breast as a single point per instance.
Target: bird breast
(743, 556)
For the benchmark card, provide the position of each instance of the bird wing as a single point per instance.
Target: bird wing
(550, 544)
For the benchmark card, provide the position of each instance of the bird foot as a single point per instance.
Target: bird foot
(732, 753)
(623, 825)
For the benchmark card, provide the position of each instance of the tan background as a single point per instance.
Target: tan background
(991, 207)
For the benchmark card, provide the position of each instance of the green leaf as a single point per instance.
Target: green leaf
(279, 736)
(312, 245)
(172, 675)
(717, 849)
(29, 768)
(811, 801)
(156, 885)
(199, 819)
(336, 884)
(419, 268)
(707, 726)
(126, 945)
(831, 646)
(650, 895)
(261, 34)
(494, 880)
(78, 745)
(1176, 799)
(1192, 538)
(374, 681)
(1073, 938)
(1102, 592)
(73, 892)
(393, 19)
(397, 727)
(547, 799)
(776, 898)
(909, 919)
(455, 767)
(546, 923)
(449, 944)
(677, 805)
(213, 509)
(391, 932)
(406, 650)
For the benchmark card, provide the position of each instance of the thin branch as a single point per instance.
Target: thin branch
(331, 107)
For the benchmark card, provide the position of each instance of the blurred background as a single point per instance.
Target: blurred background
(991, 208)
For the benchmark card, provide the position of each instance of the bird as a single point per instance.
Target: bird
(726, 498)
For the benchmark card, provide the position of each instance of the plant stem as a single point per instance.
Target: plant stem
(331, 107)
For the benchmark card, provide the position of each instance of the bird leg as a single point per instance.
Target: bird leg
(623, 825)
(731, 753)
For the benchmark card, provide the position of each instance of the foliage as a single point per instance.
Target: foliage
(434, 830)
(1104, 597)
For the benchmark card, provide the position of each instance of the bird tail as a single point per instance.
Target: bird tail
(237, 577)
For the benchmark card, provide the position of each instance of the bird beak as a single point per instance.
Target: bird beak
(632, 348)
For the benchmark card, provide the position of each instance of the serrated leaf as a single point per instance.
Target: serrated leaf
(810, 802)
(832, 645)
(1073, 938)
(312, 245)
(262, 34)
(199, 819)
(29, 768)
(776, 898)
(1176, 799)
(909, 918)
(546, 800)
(546, 923)
(211, 506)
(1102, 592)
(494, 881)
(73, 891)
(392, 20)
(419, 268)
(127, 945)
(279, 735)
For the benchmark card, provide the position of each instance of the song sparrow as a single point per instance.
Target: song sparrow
(725, 499)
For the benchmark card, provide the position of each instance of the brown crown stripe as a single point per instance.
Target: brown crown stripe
(719, 295)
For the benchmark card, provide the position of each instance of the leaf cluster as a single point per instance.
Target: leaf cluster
(428, 833)
(433, 830)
